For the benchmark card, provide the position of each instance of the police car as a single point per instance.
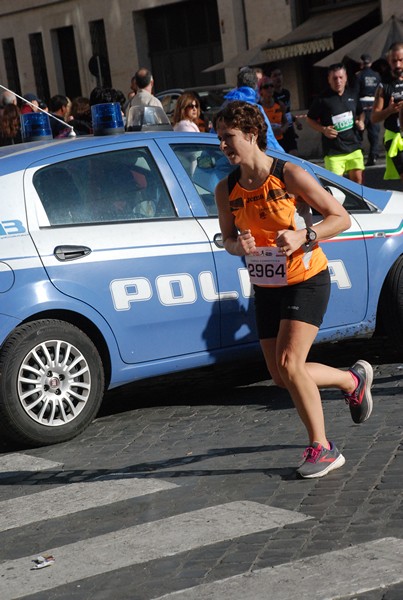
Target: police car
(113, 269)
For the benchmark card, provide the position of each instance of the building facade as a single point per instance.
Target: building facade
(71, 46)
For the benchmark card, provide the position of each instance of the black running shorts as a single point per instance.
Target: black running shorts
(306, 301)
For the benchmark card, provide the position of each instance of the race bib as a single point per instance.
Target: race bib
(268, 267)
(343, 121)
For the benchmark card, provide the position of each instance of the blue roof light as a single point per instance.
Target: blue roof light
(107, 119)
(35, 126)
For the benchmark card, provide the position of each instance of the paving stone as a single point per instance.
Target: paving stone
(227, 436)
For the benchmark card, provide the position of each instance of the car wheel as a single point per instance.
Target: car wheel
(392, 303)
(51, 383)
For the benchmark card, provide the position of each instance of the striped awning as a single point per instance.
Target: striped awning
(375, 42)
(312, 36)
(315, 34)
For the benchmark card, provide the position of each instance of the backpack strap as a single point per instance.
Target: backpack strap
(277, 168)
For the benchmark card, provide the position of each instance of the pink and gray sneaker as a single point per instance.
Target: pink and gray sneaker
(360, 400)
(318, 461)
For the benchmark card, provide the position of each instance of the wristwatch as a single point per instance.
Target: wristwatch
(311, 236)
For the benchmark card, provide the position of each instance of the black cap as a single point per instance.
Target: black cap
(31, 97)
(366, 58)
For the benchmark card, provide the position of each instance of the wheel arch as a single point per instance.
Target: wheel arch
(389, 315)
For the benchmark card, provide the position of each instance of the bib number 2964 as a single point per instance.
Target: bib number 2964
(268, 267)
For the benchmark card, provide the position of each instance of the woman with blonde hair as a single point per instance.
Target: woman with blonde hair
(186, 114)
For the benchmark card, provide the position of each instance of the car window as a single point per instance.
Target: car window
(352, 202)
(212, 99)
(168, 103)
(206, 166)
(123, 185)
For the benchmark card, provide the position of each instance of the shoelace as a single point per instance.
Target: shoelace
(352, 399)
(312, 454)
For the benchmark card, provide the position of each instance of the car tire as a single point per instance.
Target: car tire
(51, 383)
(392, 303)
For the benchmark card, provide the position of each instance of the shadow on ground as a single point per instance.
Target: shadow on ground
(235, 384)
(224, 384)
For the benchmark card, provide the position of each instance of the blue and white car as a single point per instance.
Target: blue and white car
(112, 270)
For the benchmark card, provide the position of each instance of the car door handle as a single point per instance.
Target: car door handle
(64, 253)
(217, 239)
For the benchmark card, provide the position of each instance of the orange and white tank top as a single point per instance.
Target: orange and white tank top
(270, 208)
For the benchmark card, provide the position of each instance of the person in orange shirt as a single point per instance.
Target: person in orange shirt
(275, 111)
(265, 214)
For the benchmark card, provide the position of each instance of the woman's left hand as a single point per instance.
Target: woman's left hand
(288, 240)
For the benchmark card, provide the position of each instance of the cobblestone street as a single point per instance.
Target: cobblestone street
(217, 437)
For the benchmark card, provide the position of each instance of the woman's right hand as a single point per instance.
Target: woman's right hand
(247, 242)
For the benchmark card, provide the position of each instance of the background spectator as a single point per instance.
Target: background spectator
(102, 95)
(367, 80)
(132, 92)
(7, 98)
(246, 91)
(144, 97)
(27, 108)
(388, 107)
(80, 115)
(10, 126)
(59, 108)
(274, 110)
(186, 114)
(281, 94)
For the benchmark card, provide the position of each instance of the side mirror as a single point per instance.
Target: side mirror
(337, 193)
(206, 162)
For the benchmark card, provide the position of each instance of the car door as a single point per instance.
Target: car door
(199, 165)
(114, 231)
(348, 260)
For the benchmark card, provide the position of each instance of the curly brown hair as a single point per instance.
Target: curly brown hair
(10, 121)
(245, 117)
(182, 103)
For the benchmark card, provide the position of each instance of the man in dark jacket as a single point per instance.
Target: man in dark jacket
(388, 107)
(58, 107)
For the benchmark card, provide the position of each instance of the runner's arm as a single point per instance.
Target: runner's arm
(235, 243)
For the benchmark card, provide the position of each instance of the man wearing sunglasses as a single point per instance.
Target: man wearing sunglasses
(275, 111)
